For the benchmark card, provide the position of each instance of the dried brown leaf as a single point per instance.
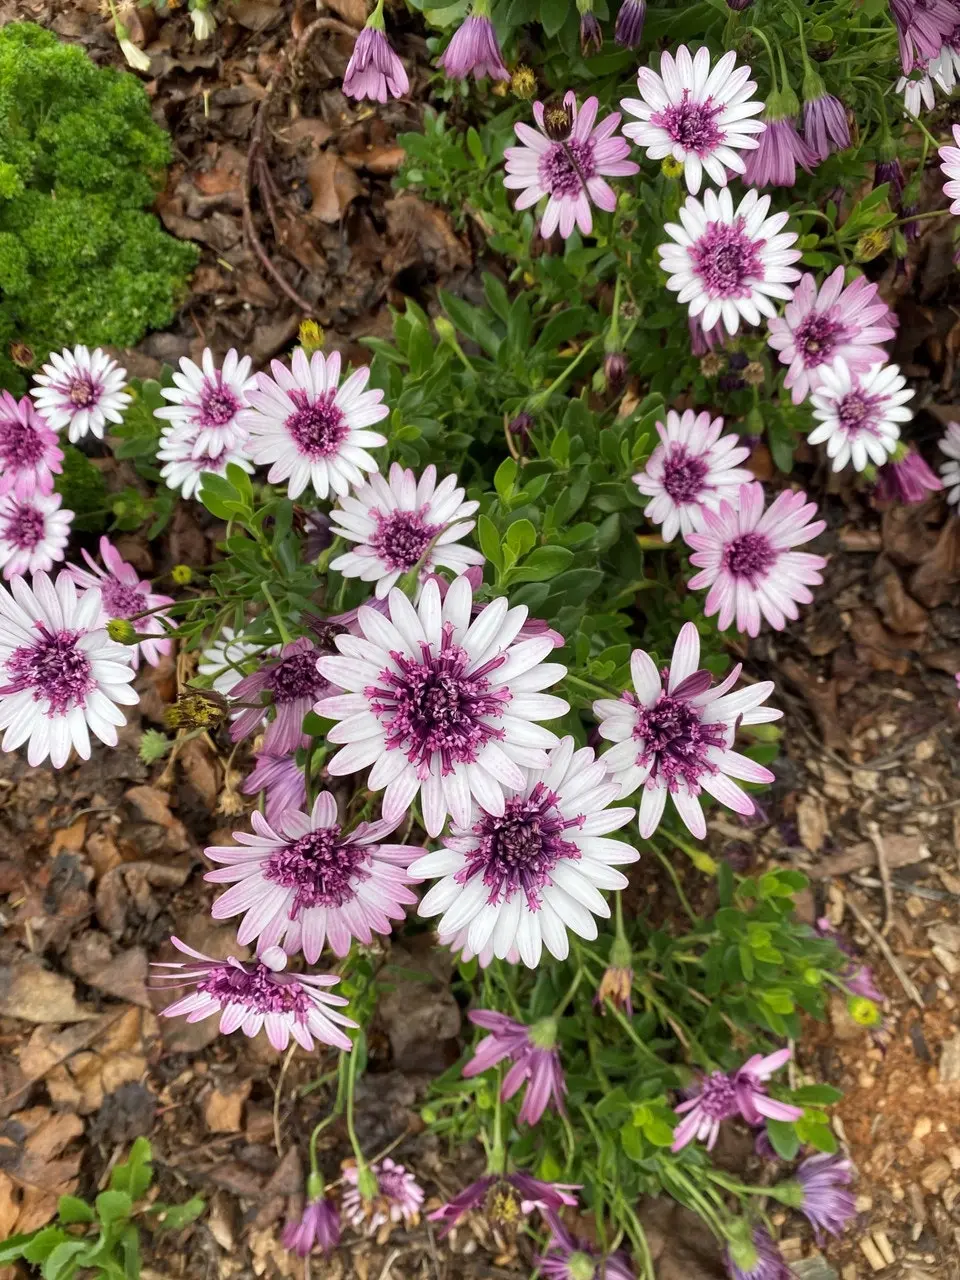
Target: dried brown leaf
(333, 184)
(35, 994)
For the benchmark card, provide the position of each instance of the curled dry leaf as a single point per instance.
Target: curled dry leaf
(333, 185)
(36, 994)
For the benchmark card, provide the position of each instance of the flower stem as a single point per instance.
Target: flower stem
(578, 978)
(285, 635)
(351, 1086)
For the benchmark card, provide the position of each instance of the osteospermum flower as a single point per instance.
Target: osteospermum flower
(699, 117)
(825, 124)
(819, 326)
(950, 470)
(757, 1258)
(746, 559)
(474, 48)
(401, 523)
(781, 149)
(693, 466)
(257, 995)
(918, 91)
(441, 705)
(307, 881)
(630, 19)
(826, 1199)
(398, 1197)
(183, 468)
(318, 1225)
(678, 740)
(905, 477)
(859, 414)
(722, 1096)
(281, 779)
(29, 453)
(124, 595)
(81, 390)
(951, 169)
(207, 401)
(293, 684)
(920, 30)
(309, 430)
(521, 879)
(729, 263)
(228, 659)
(505, 1197)
(570, 171)
(374, 70)
(60, 675)
(534, 1059)
(569, 1258)
(34, 532)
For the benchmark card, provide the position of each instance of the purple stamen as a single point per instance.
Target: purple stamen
(675, 739)
(818, 337)
(560, 164)
(25, 528)
(402, 537)
(683, 474)
(258, 988)
(320, 867)
(318, 427)
(692, 124)
(726, 260)
(295, 677)
(54, 667)
(749, 556)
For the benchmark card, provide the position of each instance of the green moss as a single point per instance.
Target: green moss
(81, 161)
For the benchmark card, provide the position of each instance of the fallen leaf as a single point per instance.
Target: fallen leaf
(907, 536)
(821, 698)
(900, 612)
(153, 805)
(875, 646)
(419, 1014)
(305, 129)
(69, 838)
(812, 822)
(35, 994)
(352, 11)
(383, 159)
(123, 975)
(9, 1206)
(223, 1108)
(421, 233)
(130, 886)
(936, 578)
(255, 15)
(199, 766)
(899, 851)
(333, 185)
(216, 182)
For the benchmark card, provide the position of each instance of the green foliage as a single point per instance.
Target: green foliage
(81, 159)
(110, 1249)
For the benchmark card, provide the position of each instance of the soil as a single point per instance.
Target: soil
(100, 862)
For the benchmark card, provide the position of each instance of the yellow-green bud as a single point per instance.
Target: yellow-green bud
(182, 575)
(871, 244)
(670, 168)
(197, 709)
(863, 1011)
(311, 337)
(523, 83)
(122, 631)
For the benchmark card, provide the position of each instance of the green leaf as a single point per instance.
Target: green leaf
(475, 147)
(172, 1217)
(73, 1209)
(816, 1095)
(113, 1206)
(13, 1247)
(136, 1173)
(521, 536)
(816, 1134)
(489, 540)
(43, 1243)
(505, 478)
(542, 564)
(63, 1261)
(632, 1142)
(783, 1138)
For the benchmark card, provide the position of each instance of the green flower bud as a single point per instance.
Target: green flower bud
(182, 575)
(122, 631)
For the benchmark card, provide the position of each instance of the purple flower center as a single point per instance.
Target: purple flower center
(54, 667)
(567, 166)
(121, 601)
(320, 867)
(683, 474)
(296, 677)
(675, 740)
(258, 989)
(82, 392)
(392, 1185)
(402, 537)
(692, 124)
(21, 448)
(726, 259)
(817, 338)
(218, 405)
(750, 556)
(433, 706)
(718, 1097)
(25, 528)
(318, 426)
(855, 413)
(518, 851)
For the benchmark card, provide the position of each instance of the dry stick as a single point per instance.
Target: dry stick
(873, 831)
(289, 55)
(909, 986)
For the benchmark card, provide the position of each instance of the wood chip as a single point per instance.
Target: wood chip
(901, 851)
(871, 1253)
(935, 1175)
(883, 1244)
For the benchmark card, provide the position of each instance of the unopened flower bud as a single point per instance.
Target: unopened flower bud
(22, 355)
(670, 168)
(871, 244)
(445, 331)
(754, 375)
(521, 426)
(122, 631)
(711, 364)
(311, 337)
(557, 121)
(367, 1183)
(523, 83)
(630, 19)
(863, 1011)
(197, 709)
(615, 369)
(182, 575)
(591, 37)
(738, 6)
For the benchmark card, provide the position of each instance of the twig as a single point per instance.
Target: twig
(873, 831)
(909, 986)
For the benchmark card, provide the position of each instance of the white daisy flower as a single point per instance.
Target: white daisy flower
(81, 390)
(402, 523)
(729, 263)
(60, 675)
(34, 532)
(520, 879)
(310, 431)
(441, 705)
(699, 117)
(208, 401)
(917, 91)
(678, 741)
(227, 660)
(951, 169)
(859, 413)
(183, 468)
(692, 467)
(950, 471)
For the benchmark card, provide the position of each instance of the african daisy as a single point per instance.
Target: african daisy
(859, 414)
(29, 453)
(293, 684)
(397, 1198)
(699, 117)
(34, 532)
(183, 468)
(951, 168)
(950, 470)
(534, 1061)
(81, 390)
(228, 659)
(124, 595)
(207, 401)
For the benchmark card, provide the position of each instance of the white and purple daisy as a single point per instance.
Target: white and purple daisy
(310, 431)
(206, 402)
(398, 1197)
(257, 995)
(29, 453)
(722, 1096)
(34, 533)
(951, 169)
(60, 674)
(950, 470)
(401, 523)
(81, 390)
(819, 326)
(308, 882)
(746, 559)
(535, 1061)
(183, 468)
(701, 118)
(520, 880)
(281, 780)
(229, 659)
(124, 595)
(293, 684)
(693, 466)
(756, 1257)
(859, 413)
(921, 29)
(729, 263)
(678, 740)
(570, 170)
(441, 705)
(905, 477)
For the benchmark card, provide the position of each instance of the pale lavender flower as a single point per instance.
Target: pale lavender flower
(293, 684)
(503, 1195)
(746, 559)
(29, 453)
(34, 532)
(827, 1202)
(906, 477)
(206, 402)
(534, 1057)
(374, 70)
(890, 171)
(474, 48)
(704, 340)
(572, 171)
(951, 169)
(319, 1224)
(825, 125)
(125, 595)
(398, 1197)
(858, 979)
(781, 149)
(307, 881)
(257, 995)
(678, 741)
(757, 1259)
(722, 1096)
(183, 468)
(569, 1258)
(630, 19)
(82, 390)
(921, 28)
(281, 778)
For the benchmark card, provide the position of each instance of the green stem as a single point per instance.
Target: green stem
(351, 1085)
(595, 690)
(578, 978)
(541, 398)
(497, 1156)
(285, 635)
(766, 44)
(694, 918)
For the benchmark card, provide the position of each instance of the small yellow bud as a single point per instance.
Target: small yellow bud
(671, 168)
(523, 83)
(122, 631)
(197, 709)
(182, 575)
(500, 88)
(863, 1011)
(871, 245)
(311, 337)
